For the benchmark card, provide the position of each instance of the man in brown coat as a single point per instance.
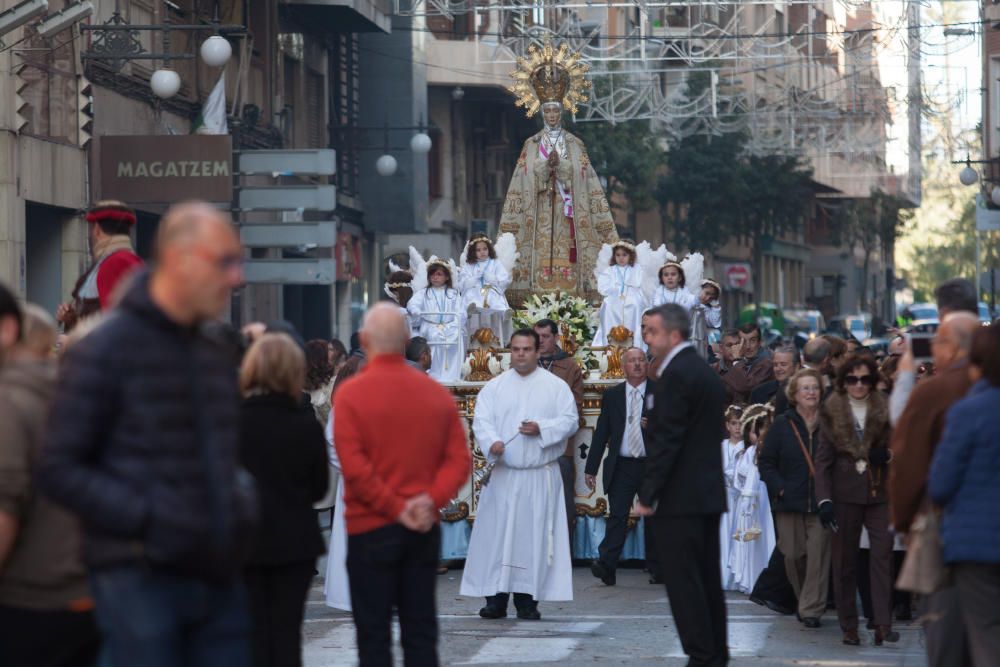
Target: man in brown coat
(564, 366)
(745, 363)
(913, 442)
(43, 582)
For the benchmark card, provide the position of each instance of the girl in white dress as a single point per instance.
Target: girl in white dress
(483, 281)
(731, 446)
(619, 280)
(672, 287)
(438, 315)
(753, 537)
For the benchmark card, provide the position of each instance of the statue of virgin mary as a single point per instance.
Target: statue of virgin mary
(555, 205)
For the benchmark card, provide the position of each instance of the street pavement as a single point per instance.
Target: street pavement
(628, 624)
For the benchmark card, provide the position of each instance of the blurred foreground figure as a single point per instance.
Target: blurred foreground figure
(145, 452)
(403, 456)
(43, 584)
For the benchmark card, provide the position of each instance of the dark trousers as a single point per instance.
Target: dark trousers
(567, 468)
(152, 618)
(846, 544)
(394, 567)
(689, 557)
(277, 603)
(978, 587)
(900, 599)
(621, 492)
(773, 586)
(30, 638)
(944, 631)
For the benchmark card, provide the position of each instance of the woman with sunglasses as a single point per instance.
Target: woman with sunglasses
(851, 473)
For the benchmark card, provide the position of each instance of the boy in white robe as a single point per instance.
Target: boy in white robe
(519, 544)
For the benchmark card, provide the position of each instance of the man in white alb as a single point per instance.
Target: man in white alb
(518, 545)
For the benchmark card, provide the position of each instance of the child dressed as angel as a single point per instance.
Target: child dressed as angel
(672, 287)
(438, 315)
(483, 279)
(619, 280)
(753, 537)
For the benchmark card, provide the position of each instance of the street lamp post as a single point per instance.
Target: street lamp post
(969, 176)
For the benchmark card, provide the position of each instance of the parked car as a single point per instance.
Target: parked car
(769, 317)
(922, 326)
(803, 319)
(920, 311)
(984, 314)
(856, 325)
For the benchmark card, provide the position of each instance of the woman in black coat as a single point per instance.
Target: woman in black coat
(283, 447)
(786, 464)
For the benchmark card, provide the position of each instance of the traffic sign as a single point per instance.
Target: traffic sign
(737, 275)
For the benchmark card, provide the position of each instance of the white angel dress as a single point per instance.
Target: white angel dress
(439, 317)
(483, 286)
(679, 295)
(624, 302)
(753, 538)
(336, 585)
(729, 452)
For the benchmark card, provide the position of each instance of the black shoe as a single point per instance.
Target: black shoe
(603, 572)
(529, 613)
(810, 622)
(777, 608)
(492, 611)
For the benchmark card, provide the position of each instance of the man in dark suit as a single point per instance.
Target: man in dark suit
(682, 488)
(621, 430)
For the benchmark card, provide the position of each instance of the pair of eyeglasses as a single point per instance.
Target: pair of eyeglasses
(863, 379)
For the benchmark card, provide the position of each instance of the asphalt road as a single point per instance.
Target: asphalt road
(626, 624)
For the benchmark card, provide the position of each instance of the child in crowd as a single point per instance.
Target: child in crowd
(619, 280)
(731, 446)
(706, 314)
(438, 315)
(673, 287)
(753, 537)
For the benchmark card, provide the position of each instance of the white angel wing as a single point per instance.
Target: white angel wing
(418, 267)
(645, 257)
(464, 259)
(694, 271)
(454, 269)
(506, 249)
(603, 261)
(393, 267)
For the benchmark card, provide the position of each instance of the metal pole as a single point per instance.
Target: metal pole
(978, 280)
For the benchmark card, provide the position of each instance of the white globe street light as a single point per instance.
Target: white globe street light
(420, 143)
(386, 165)
(216, 51)
(165, 83)
(968, 175)
(995, 195)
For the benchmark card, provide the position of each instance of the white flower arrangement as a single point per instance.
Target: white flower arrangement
(575, 316)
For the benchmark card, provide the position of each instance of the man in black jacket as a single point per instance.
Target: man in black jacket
(144, 451)
(621, 430)
(683, 489)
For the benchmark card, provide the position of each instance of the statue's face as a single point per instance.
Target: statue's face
(552, 113)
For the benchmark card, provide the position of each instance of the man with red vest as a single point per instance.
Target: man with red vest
(109, 225)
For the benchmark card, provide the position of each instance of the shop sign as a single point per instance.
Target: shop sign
(164, 169)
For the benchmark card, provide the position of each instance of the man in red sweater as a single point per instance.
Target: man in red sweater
(109, 228)
(404, 455)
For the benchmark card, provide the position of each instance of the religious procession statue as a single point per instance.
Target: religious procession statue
(555, 205)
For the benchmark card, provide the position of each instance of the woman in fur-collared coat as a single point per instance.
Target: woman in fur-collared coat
(852, 466)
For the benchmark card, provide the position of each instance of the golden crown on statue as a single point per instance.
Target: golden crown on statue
(547, 75)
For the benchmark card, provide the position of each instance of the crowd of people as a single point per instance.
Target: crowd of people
(160, 472)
